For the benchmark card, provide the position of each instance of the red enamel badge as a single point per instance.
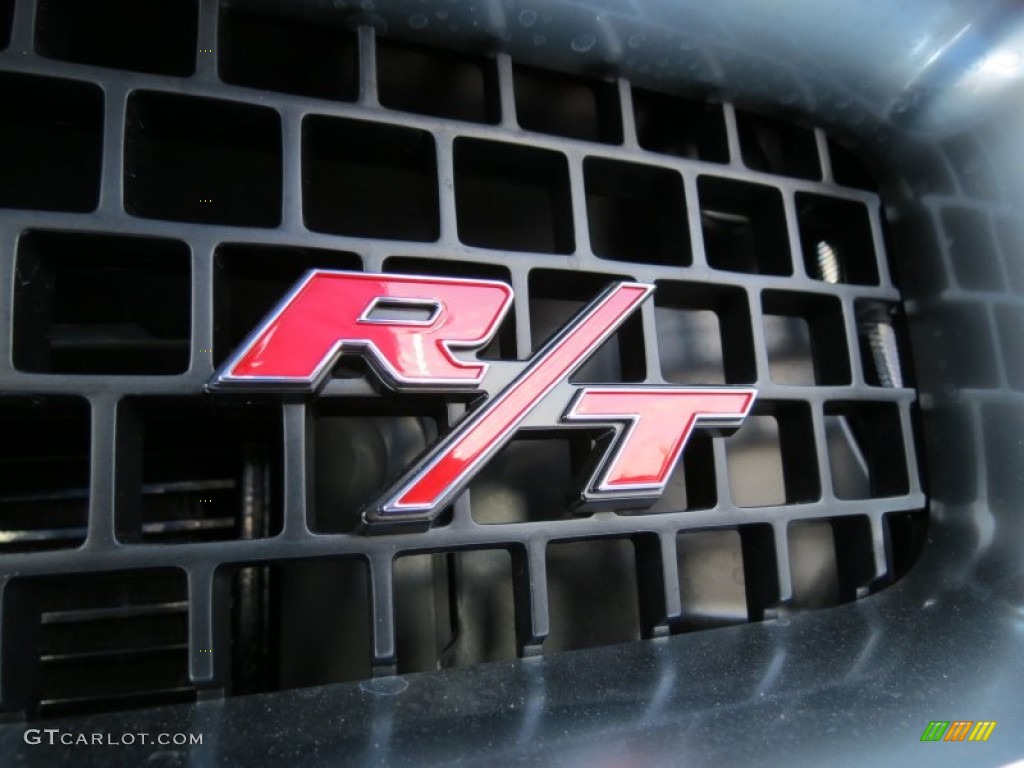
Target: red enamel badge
(420, 332)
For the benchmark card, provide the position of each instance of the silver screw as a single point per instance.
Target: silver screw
(828, 262)
(881, 337)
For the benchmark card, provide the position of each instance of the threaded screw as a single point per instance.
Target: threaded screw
(828, 262)
(876, 327)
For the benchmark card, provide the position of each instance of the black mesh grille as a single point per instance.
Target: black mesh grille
(207, 544)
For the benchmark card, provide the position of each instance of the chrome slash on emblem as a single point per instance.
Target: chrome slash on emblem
(408, 328)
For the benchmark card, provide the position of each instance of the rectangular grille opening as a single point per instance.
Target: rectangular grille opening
(360, 449)
(704, 334)
(512, 197)
(532, 479)
(674, 125)
(83, 644)
(848, 169)
(431, 81)
(556, 297)
(636, 212)
(712, 582)
(760, 568)
(744, 227)
(1010, 320)
(788, 339)
(453, 609)
(855, 556)
(101, 304)
(277, 53)
(300, 624)
(564, 105)
(44, 473)
(369, 179)
(916, 237)
(812, 564)
(806, 338)
(156, 37)
(972, 250)
(830, 561)
(951, 424)
(592, 594)
(978, 179)
(778, 147)
(771, 458)
(975, 363)
(836, 239)
(6, 20)
(1010, 235)
(905, 534)
(202, 160)
(192, 472)
(691, 486)
(52, 135)
(866, 450)
(755, 464)
(1001, 427)
(250, 280)
(503, 346)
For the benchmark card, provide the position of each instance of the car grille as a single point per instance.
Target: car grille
(160, 192)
